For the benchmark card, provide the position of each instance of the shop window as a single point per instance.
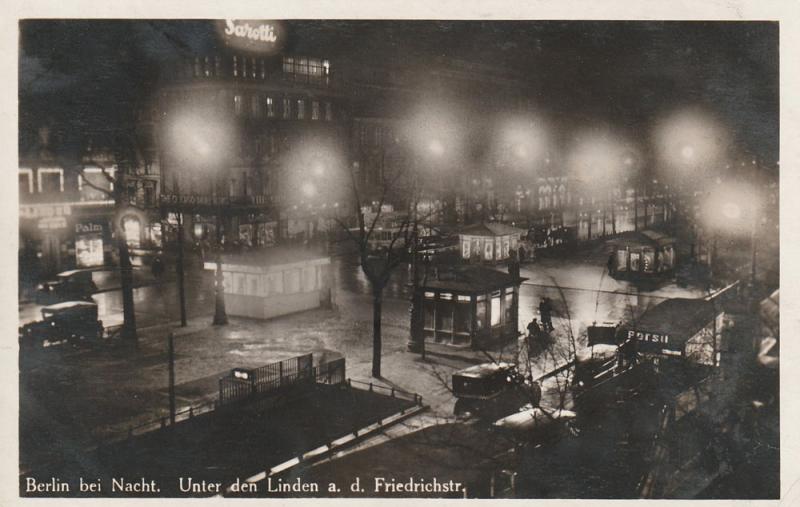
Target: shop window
(444, 319)
(133, 231)
(648, 261)
(235, 66)
(495, 310)
(429, 315)
(315, 110)
(480, 313)
(89, 250)
(622, 260)
(635, 261)
(463, 316)
(508, 308)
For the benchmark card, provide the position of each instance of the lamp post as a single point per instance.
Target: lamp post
(198, 139)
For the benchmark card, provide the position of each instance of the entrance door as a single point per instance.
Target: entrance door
(51, 254)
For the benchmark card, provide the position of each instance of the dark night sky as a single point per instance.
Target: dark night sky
(622, 72)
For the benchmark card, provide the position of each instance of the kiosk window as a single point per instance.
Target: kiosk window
(495, 312)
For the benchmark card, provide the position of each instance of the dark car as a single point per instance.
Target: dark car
(67, 322)
(75, 285)
(492, 390)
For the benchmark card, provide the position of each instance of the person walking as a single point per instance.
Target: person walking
(533, 329)
(545, 311)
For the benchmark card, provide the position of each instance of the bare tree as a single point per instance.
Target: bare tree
(380, 256)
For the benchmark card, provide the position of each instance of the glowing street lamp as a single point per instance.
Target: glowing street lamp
(198, 139)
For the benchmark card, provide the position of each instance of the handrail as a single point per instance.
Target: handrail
(417, 398)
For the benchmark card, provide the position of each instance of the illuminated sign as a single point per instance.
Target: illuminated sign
(648, 337)
(50, 223)
(88, 228)
(252, 35)
(89, 251)
(44, 210)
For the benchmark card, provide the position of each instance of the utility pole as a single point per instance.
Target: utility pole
(180, 268)
(220, 315)
(171, 367)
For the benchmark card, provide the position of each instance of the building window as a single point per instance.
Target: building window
(255, 106)
(217, 66)
(287, 108)
(495, 310)
(99, 187)
(25, 181)
(237, 104)
(270, 108)
(288, 65)
(197, 67)
(51, 180)
(328, 111)
(235, 66)
(206, 67)
(244, 67)
(253, 68)
(315, 110)
(301, 109)
(263, 69)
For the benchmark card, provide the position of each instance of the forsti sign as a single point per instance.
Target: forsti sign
(263, 36)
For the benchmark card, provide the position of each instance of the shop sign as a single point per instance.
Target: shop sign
(44, 210)
(264, 36)
(87, 228)
(648, 337)
(51, 223)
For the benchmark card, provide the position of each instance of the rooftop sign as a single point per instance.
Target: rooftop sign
(262, 36)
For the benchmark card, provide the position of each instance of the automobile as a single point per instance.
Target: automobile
(491, 390)
(66, 322)
(538, 424)
(74, 285)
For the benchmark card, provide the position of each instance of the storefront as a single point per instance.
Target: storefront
(60, 237)
(642, 254)
(680, 328)
(467, 306)
(489, 242)
(274, 281)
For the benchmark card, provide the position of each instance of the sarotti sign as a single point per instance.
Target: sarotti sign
(263, 36)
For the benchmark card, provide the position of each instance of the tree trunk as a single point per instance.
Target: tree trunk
(126, 278)
(377, 309)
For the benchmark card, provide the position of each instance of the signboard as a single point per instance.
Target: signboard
(89, 250)
(653, 342)
(44, 210)
(52, 223)
(255, 35)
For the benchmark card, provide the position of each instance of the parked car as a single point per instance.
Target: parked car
(67, 322)
(492, 390)
(75, 285)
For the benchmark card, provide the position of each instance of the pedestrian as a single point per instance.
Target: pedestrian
(157, 267)
(543, 314)
(545, 310)
(533, 329)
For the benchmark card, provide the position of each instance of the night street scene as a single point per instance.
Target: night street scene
(399, 259)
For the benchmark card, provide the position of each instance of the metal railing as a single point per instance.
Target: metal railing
(391, 390)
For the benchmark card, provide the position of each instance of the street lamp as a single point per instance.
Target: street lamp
(732, 208)
(198, 140)
(597, 159)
